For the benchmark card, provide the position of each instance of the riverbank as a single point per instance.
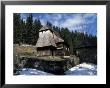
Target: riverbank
(81, 69)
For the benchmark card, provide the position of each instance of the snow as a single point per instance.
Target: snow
(30, 71)
(83, 69)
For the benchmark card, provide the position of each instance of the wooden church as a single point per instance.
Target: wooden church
(50, 43)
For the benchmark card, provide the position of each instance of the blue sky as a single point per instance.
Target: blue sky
(82, 22)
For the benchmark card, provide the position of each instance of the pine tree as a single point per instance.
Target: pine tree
(28, 32)
(49, 24)
(36, 26)
(23, 31)
(66, 35)
(29, 28)
(17, 29)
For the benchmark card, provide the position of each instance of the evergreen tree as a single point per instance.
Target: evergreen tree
(36, 26)
(28, 32)
(24, 31)
(17, 29)
(66, 35)
(29, 28)
(49, 24)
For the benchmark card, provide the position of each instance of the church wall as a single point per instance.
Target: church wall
(44, 52)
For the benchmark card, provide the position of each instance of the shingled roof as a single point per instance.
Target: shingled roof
(46, 27)
(48, 39)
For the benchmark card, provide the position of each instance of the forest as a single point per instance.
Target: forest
(27, 32)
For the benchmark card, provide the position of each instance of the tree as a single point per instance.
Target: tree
(36, 26)
(66, 35)
(28, 32)
(49, 24)
(57, 29)
(29, 28)
(24, 31)
(17, 29)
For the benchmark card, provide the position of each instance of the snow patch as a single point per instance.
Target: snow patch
(83, 69)
(30, 71)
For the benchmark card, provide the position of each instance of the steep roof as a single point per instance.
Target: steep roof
(48, 39)
(46, 27)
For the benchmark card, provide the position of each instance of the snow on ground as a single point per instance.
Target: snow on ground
(29, 71)
(83, 69)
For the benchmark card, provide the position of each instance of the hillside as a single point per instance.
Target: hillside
(25, 50)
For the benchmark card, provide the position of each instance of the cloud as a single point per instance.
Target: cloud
(54, 18)
(79, 21)
(24, 15)
(73, 21)
(83, 22)
(56, 23)
(88, 15)
(57, 17)
(43, 22)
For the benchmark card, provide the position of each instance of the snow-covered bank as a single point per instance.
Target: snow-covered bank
(83, 69)
(29, 71)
